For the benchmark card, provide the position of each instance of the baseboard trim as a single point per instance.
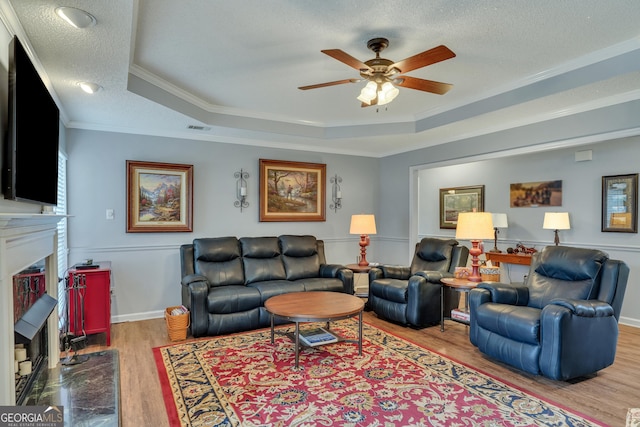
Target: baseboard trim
(137, 316)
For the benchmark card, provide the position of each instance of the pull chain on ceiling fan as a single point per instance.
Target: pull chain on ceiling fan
(383, 75)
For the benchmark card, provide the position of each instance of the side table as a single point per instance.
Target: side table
(459, 285)
(360, 270)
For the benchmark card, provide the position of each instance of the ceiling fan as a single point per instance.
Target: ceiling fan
(384, 75)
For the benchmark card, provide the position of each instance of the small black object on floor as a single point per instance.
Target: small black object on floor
(88, 391)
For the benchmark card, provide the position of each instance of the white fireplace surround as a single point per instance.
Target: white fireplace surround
(24, 240)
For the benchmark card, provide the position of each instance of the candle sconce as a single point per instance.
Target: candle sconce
(336, 193)
(241, 189)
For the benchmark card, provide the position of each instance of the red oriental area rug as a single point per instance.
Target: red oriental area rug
(244, 380)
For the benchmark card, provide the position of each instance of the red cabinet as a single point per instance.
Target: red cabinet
(89, 300)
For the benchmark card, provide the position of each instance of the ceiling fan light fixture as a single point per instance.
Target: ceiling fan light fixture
(77, 18)
(368, 93)
(387, 93)
(89, 87)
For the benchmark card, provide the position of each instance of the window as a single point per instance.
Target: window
(63, 250)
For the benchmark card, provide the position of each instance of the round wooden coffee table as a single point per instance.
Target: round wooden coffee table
(316, 306)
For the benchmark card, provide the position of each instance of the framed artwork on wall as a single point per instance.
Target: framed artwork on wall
(459, 199)
(535, 194)
(620, 203)
(159, 197)
(292, 191)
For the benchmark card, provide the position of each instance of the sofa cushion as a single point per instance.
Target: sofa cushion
(394, 290)
(272, 288)
(563, 273)
(300, 256)
(518, 323)
(433, 255)
(261, 259)
(218, 259)
(298, 246)
(321, 284)
(232, 299)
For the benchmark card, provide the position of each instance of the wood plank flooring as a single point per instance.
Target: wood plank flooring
(605, 396)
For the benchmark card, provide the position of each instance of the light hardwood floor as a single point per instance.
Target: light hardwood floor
(605, 396)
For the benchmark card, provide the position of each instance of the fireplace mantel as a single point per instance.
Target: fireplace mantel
(24, 240)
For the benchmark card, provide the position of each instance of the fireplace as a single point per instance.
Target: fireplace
(32, 307)
(26, 239)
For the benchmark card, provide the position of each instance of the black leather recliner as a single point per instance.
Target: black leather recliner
(411, 295)
(226, 280)
(562, 322)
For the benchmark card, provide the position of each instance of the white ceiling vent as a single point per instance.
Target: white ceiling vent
(196, 127)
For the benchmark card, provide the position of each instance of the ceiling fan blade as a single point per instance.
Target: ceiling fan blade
(345, 58)
(431, 56)
(337, 82)
(422, 84)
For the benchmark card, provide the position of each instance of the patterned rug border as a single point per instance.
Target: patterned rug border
(172, 410)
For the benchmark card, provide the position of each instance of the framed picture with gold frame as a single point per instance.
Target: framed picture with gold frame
(292, 191)
(459, 199)
(620, 203)
(159, 197)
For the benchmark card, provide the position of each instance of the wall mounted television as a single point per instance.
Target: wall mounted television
(30, 165)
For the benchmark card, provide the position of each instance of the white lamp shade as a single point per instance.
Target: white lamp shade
(363, 224)
(499, 220)
(387, 93)
(556, 221)
(474, 226)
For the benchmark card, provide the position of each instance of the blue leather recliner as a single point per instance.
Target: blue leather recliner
(562, 322)
(411, 294)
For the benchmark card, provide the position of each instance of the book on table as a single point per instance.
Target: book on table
(317, 336)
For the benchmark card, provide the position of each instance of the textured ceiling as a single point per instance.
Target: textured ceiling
(234, 67)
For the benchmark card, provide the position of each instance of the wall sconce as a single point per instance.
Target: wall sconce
(336, 193)
(241, 189)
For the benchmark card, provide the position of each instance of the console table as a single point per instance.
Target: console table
(498, 257)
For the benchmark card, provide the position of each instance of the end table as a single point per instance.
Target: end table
(459, 285)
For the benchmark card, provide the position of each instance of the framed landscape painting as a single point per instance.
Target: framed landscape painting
(292, 191)
(459, 199)
(159, 197)
(620, 203)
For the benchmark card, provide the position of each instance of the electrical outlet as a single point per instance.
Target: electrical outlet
(110, 214)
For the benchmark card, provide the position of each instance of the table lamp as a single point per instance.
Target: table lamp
(499, 221)
(363, 225)
(474, 226)
(556, 221)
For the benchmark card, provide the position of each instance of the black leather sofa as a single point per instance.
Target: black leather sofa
(226, 280)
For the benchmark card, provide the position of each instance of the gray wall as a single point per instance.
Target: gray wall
(582, 194)
(146, 265)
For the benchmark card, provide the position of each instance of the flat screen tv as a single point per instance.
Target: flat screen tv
(30, 166)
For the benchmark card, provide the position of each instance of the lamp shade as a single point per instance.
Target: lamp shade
(499, 220)
(556, 221)
(363, 224)
(474, 226)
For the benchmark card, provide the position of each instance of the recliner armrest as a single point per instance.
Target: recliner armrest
(341, 272)
(187, 280)
(195, 290)
(504, 293)
(395, 272)
(585, 308)
(433, 276)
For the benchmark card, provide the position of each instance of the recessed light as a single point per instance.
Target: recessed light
(76, 17)
(89, 87)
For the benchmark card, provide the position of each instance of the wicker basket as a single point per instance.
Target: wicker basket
(177, 325)
(490, 274)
